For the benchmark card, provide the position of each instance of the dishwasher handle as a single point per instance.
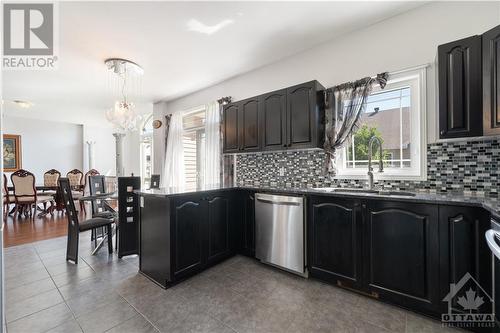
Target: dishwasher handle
(492, 243)
(279, 199)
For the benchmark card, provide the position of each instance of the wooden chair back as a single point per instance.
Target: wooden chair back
(75, 177)
(24, 185)
(97, 186)
(51, 178)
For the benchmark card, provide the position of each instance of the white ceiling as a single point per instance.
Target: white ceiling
(177, 59)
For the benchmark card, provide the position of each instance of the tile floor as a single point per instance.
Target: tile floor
(106, 294)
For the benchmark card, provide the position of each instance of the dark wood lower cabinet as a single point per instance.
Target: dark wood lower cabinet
(247, 224)
(401, 254)
(334, 242)
(219, 220)
(187, 230)
(463, 247)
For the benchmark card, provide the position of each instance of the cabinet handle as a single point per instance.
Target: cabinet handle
(442, 132)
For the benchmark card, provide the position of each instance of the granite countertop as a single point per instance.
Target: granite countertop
(489, 203)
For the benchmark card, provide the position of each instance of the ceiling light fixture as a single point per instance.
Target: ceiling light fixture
(195, 25)
(123, 115)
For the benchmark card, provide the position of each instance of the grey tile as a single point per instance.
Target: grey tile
(198, 322)
(106, 317)
(72, 276)
(16, 310)
(419, 324)
(136, 324)
(69, 326)
(381, 315)
(28, 290)
(37, 275)
(90, 301)
(41, 321)
(66, 267)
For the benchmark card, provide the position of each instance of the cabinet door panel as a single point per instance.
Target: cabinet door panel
(463, 247)
(491, 81)
(249, 224)
(402, 253)
(188, 219)
(273, 109)
(249, 126)
(460, 96)
(218, 228)
(334, 240)
(301, 103)
(231, 133)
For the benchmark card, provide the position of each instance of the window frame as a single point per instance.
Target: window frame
(198, 133)
(416, 80)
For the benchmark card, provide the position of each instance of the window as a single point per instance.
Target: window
(396, 115)
(147, 150)
(193, 124)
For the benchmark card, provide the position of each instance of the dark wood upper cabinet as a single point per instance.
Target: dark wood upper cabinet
(460, 93)
(334, 231)
(305, 113)
(283, 119)
(491, 81)
(402, 253)
(231, 129)
(273, 117)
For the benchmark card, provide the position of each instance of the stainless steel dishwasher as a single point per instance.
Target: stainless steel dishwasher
(279, 231)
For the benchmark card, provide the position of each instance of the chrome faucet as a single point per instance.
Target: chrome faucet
(381, 163)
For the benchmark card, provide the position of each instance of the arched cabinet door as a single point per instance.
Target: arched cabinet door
(401, 253)
(460, 94)
(273, 120)
(218, 228)
(300, 115)
(491, 81)
(187, 219)
(335, 240)
(231, 119)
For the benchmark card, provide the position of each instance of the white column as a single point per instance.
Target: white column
(119, 154)
(90, 153)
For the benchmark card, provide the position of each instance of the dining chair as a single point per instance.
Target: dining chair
(51, 179)
(97, 185)
(75, 177)
(155, 181)
(86, 180)
(25, 192)
(75, 226)
(7, 198)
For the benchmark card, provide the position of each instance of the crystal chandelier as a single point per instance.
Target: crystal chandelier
(123, 115)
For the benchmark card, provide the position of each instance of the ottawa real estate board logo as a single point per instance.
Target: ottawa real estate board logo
(30, 36)
(470, 306)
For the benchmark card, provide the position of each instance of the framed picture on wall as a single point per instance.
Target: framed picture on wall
(11, 152)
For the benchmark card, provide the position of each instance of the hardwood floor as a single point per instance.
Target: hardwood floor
(22, 230)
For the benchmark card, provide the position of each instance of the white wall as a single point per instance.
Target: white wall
(104, 149)
(47, 145)
(404, 41)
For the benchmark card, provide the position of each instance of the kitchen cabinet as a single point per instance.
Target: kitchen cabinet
(305, 115)
(290, 118)
(248, 223)
(491, 81)
(241, 126)
(218, 208)
(401, 253)
(460, 92)
(231, 122)
(273, 116)
(463, 247)
(187, 219)
(334, 231)
(184, 234)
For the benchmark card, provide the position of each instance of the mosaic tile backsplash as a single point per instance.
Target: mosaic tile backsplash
(464, 166)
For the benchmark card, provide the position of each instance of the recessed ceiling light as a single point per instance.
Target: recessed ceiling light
(195, 25)
(23, 104)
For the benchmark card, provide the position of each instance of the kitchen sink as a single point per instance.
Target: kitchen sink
(367, 191)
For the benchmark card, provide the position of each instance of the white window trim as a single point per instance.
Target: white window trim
(418, 133)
